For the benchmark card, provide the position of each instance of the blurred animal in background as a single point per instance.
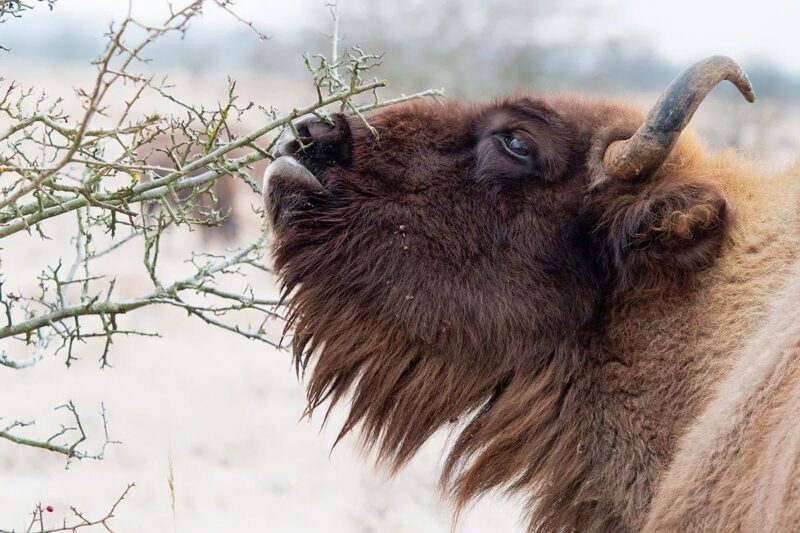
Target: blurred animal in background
(604, 314)
(212, 209)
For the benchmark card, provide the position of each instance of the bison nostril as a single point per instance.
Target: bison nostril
(318, 128)
(303, 129)
(312, 128)
(317, 143)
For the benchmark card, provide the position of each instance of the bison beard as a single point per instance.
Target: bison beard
(411, 366)
(442, 276)
(514, 389)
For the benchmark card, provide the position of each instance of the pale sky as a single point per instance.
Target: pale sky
(682, 30)
(685, 30)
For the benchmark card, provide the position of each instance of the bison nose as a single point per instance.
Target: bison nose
(317, 143)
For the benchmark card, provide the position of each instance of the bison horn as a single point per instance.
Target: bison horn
(647, 149)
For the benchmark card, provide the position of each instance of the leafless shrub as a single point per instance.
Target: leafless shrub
(95, 179)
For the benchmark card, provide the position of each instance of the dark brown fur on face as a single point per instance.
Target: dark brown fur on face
(439, 281)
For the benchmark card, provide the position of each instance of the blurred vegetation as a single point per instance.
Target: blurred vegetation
(475, 49)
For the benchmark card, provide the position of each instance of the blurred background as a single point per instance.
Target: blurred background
(225, 411)
(472, 48)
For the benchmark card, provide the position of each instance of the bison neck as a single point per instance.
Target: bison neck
(656, 366)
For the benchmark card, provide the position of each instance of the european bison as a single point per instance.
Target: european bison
(606, 316)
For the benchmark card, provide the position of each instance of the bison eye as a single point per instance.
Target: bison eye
(514, 145)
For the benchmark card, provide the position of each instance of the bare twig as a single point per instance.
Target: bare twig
(77, 522)
(70, 450)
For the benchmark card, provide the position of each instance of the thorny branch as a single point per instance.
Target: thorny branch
(74, 523)
(70, 450)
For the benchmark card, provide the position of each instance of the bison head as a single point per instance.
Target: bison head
(448, 266)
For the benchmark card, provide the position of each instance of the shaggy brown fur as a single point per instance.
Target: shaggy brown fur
(570, 329)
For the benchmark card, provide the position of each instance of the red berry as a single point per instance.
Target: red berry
(49, 508)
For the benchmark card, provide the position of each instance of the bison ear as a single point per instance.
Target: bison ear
(663, 233)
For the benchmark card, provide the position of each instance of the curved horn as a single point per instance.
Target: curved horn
(647, 149)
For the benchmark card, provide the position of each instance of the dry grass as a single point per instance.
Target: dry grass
(171, 487)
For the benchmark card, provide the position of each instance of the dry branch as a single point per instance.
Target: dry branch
(77, 522)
